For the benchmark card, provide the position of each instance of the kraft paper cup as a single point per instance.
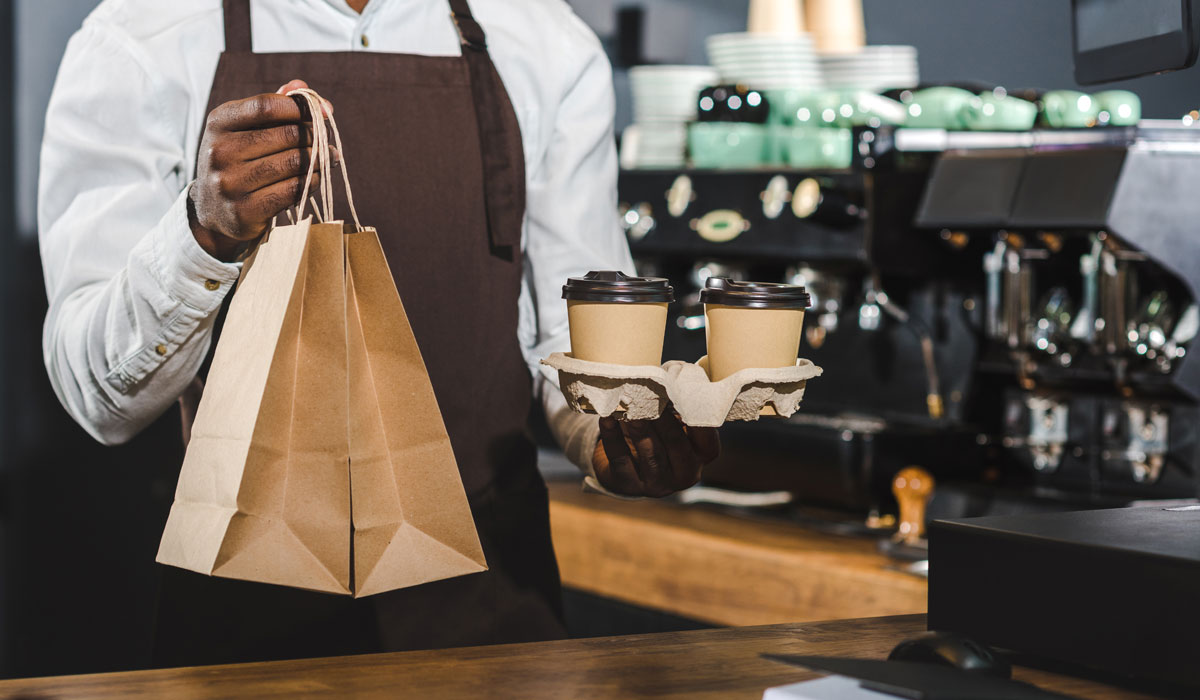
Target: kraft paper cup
(617, 319)
(751, 325)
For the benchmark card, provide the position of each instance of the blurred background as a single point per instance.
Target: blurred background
(74, 554)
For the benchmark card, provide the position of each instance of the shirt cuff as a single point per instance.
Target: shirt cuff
(186, 271)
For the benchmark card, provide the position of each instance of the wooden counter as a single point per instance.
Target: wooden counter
(714, 664)
(724, 569)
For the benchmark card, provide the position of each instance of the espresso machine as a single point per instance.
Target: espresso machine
(1011, 311)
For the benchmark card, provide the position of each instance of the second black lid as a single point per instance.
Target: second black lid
(617, 287)
(754, 295)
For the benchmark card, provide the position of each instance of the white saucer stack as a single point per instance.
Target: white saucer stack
(766, 61)
(664, 101)
(873, 68)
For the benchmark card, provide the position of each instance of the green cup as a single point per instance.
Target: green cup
(803, 107)
(1069, 109)
(727, 144)
(862, 108)
(991, 112)
(819, 148)
(938, 108)
(1122, 107)
(776, 144)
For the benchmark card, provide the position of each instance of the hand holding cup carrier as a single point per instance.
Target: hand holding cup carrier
(753, 332)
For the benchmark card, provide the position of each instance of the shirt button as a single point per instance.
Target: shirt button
(212, 285)
(365, 41)
(160, 349)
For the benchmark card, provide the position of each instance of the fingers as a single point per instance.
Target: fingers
(705, 441)
(301, 85)
(652, 462)
(257, 112)
(616, 471)
(248, 145)
(264, 204)
(290, 85)
(685, 463)
(262, 172)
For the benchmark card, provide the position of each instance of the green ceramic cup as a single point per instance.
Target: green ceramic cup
(1069, 109)
(776, 144)
(938, 108)
(990, 112)
(862, 108)
(819, 148)
(727, 144)
(1123, 107)
(803, 107)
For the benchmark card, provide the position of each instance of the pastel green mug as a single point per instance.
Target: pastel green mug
(1122, 107)
(991, 112)
(726, 144)
(819, 148)
(1069, 109)
(938, 108)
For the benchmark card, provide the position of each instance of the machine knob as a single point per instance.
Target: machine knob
(912, 487)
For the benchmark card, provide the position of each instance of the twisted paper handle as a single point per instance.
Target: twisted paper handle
(320, 153)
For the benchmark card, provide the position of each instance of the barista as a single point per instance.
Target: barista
(491, 183)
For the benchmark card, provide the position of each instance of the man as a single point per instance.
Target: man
(170, 145)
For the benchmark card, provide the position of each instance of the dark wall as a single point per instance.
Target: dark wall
(1015, 43)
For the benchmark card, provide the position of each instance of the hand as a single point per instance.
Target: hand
(251, 166)
(652, 457)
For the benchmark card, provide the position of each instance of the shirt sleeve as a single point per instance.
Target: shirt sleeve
(132, 296)
(572, 226)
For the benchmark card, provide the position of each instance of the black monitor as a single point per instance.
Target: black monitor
(1117, 39)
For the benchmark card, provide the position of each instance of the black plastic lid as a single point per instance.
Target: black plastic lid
(754, 295)
(617, 287)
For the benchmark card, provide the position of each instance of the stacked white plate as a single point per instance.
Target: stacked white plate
(668, 93)
(664, 101)
(766, 61)
(873, 68)
(656, 145)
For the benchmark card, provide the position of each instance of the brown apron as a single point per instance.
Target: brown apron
(438, 167)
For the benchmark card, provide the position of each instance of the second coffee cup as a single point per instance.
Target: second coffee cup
(751, 325)
(617, 319)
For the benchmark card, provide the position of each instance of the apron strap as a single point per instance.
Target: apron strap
(237, 26)
(499, 142)
(469, 31)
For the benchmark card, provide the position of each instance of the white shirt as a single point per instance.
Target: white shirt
(131, 309)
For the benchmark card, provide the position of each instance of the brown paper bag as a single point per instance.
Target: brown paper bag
(317, 392)
(264, 492)
(412, 522)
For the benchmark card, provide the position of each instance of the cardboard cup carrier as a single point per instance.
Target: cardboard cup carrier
(751, 369)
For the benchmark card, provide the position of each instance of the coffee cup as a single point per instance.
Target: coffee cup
(617, 319)
(751, 325)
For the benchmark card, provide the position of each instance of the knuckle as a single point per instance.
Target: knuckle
(260, 106)
(225, 185)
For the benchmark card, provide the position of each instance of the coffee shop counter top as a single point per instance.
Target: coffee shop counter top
(714, 664)
(703, 564)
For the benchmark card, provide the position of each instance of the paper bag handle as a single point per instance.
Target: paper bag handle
(320, 152)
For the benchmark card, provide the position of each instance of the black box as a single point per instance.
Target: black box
(1116, 590)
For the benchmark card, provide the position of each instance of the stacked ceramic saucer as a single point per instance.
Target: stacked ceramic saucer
(873, 68)
(766, 61)
(664, 101)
